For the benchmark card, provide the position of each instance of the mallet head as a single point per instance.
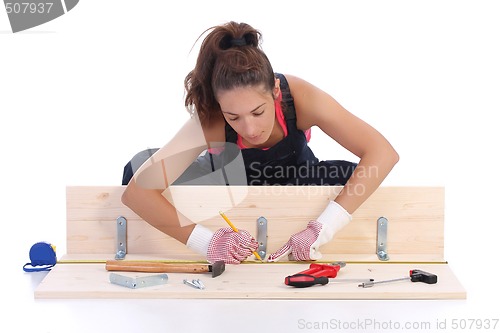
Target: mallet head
(217, 268)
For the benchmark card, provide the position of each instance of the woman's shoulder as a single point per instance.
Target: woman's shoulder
(295, 82)
(297, 86)
(300, 90)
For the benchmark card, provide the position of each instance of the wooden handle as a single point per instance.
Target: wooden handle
(155, 267)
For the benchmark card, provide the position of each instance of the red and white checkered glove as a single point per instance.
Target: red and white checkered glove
(305, 244)
(230, 246)
(225, 244)
(299, 247)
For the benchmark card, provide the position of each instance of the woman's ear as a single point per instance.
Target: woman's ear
(276, 90)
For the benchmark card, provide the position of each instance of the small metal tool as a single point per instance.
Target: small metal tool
(193, 283)
(199, 284)
(307, 280)
(351, 280)
(416, 275)
(373, 282)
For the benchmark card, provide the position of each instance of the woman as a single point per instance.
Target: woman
(241, 108)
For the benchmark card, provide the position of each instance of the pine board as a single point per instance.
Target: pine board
(415, 214)
(251, 281)
(415, 241)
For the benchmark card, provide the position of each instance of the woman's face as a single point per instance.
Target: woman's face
(250, 112)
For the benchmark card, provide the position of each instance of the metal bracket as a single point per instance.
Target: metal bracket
(140, 282)
(262, 236)
(382, 225)
(121, 238)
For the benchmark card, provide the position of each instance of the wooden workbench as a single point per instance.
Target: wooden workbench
(415, 240)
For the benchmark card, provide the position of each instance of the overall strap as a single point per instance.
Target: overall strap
(287, 99)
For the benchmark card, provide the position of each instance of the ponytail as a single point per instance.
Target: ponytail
(230, 57)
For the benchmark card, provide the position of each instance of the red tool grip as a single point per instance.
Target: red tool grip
(305, 280)
(313, 268)
(319, 270)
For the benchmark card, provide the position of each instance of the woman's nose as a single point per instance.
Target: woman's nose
(250, 128)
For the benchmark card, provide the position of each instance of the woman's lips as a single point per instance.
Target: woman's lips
(254, 139)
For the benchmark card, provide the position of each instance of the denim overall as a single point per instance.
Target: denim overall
(289, 162)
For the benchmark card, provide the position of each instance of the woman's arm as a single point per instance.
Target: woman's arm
(314, 107)
(377, 157)
(153, 208)
(143, 194)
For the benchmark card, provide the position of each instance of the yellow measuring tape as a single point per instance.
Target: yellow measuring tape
(103, 261)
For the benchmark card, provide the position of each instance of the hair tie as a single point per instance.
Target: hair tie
(238, 42)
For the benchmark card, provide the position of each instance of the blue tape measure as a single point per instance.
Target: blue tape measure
(43, 257)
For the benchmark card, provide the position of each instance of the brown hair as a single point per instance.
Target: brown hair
(230, 56)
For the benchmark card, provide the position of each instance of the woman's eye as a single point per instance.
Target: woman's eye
(258, 114)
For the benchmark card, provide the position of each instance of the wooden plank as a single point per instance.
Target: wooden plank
(415, 214)
(416, 237)
(252, 281)
(327, 258)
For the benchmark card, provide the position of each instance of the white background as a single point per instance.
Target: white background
(80, 95)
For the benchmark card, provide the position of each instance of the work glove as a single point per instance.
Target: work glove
(230, 246)
(223, 245)
(305, 244)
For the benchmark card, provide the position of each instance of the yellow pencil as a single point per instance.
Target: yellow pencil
(236, 230)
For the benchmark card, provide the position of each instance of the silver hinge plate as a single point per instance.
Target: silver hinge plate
(382, 225)
(262, 237)
(121, 238)
(139, 282)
